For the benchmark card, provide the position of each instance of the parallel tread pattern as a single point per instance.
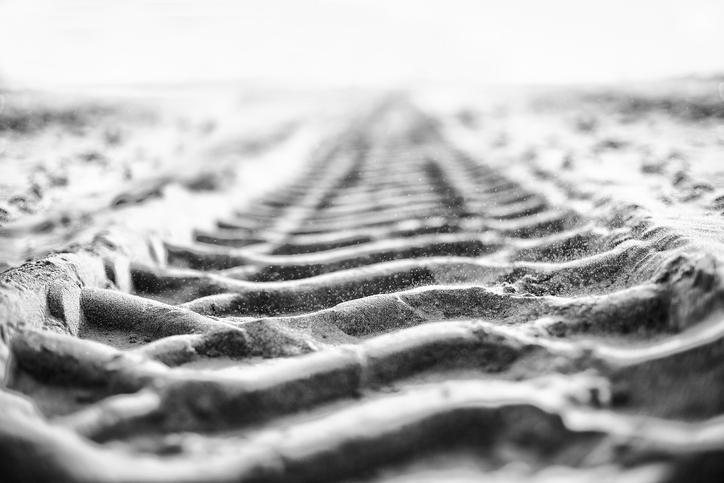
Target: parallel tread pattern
(400, 299)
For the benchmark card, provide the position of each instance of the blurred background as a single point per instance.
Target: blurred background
(356, 42)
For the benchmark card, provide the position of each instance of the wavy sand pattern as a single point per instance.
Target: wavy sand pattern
(406, 306)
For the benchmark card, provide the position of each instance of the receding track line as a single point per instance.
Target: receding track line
(398, 300)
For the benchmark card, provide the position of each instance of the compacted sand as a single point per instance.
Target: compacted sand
(445, 284)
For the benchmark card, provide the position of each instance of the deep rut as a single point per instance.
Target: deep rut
(397, 309)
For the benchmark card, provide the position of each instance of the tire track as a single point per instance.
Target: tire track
(399, 299)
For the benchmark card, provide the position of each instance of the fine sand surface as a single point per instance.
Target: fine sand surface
(444, 284)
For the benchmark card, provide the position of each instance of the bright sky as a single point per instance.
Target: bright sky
(367, 42)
